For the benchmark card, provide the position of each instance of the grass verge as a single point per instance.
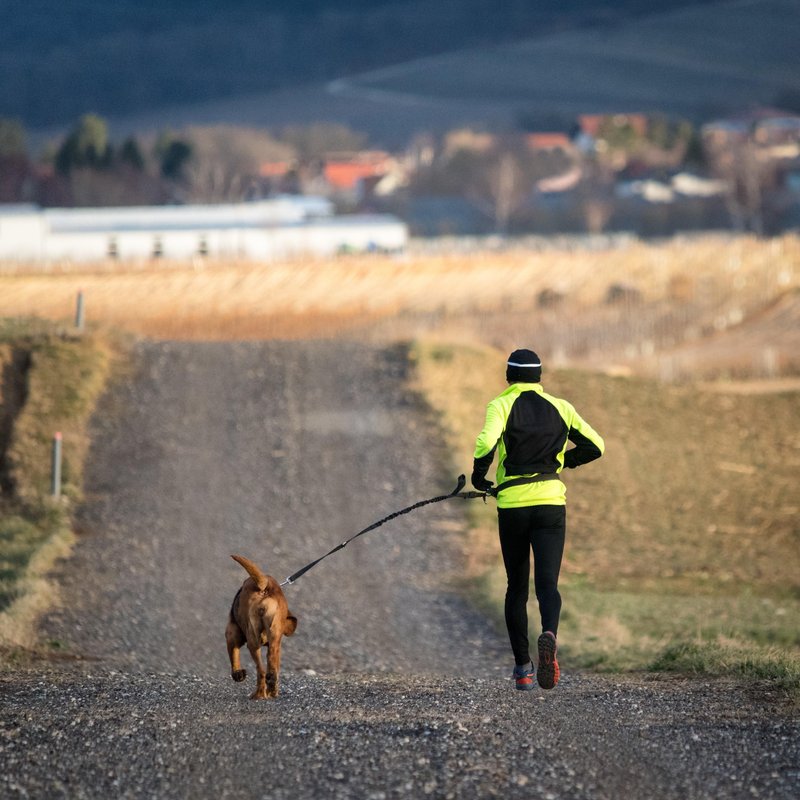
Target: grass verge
(50, 381)
(682, 542)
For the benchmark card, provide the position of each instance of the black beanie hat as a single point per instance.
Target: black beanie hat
(523, 366)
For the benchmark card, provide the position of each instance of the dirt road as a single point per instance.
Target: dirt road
(393, 686)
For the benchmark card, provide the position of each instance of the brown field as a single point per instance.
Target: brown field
(711, 307)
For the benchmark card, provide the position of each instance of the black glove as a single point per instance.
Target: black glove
(480, 483)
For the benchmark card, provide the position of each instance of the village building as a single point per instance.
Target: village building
(548, 142)
(282, 227)
(357, 175)
(349, 177)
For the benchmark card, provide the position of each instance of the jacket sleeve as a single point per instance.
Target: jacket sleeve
(589, 445)
(486, 443)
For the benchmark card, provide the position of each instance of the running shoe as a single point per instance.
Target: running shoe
(523, 676)
(548, 672)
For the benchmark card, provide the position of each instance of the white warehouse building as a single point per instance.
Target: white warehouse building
(278, 228)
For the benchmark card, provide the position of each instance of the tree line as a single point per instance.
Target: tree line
(87, 167)
(497, 176)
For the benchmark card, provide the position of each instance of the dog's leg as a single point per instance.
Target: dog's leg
(235, 639)
(274, 658)
(254, 646)
(273, 668)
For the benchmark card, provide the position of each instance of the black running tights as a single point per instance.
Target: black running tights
(541, 528)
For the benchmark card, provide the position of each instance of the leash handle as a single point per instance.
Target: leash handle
(475, 495)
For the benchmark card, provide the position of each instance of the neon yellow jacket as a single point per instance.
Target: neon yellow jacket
(530, 430)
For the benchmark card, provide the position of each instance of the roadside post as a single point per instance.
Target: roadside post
(79, 311)
(55, 469)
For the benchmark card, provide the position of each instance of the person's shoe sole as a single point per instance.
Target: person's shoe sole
(548, 672)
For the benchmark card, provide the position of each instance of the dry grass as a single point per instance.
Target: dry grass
(687, 292)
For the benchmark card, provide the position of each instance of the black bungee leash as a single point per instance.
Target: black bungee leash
(462, 480)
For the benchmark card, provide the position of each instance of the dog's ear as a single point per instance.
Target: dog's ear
(290, 626)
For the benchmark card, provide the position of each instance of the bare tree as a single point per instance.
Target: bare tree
(315, 141)
(503, 185)
(751, 178)
(225, 161)
(501, 189)
(596, 195)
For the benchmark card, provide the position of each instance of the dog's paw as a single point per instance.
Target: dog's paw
(262, 695)
(239, 675)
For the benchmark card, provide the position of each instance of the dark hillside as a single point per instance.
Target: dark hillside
(59, 60)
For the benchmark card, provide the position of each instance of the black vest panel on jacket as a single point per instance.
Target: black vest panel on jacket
(534, 436)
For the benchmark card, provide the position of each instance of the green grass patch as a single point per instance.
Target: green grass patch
(51, 379)
(615, 629)
(682, 540)
(740, 659)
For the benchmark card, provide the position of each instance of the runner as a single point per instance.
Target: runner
(530, 430)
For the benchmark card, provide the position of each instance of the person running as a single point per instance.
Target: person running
(530, 430)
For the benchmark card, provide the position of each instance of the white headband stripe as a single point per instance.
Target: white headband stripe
(514, 364)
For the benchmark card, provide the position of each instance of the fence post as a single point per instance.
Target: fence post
(55, 468)
(79, 311)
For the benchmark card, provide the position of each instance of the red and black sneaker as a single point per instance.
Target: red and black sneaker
(548, 672)
(523, 677)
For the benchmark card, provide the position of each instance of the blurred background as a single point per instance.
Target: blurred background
(460, 118)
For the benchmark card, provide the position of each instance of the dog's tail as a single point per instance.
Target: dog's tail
(254, 572)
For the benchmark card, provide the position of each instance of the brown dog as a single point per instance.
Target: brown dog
(259, 616)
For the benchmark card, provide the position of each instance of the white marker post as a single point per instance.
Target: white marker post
(55, 469)
(79, 311)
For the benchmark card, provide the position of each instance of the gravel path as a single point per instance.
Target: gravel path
(393, 686)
